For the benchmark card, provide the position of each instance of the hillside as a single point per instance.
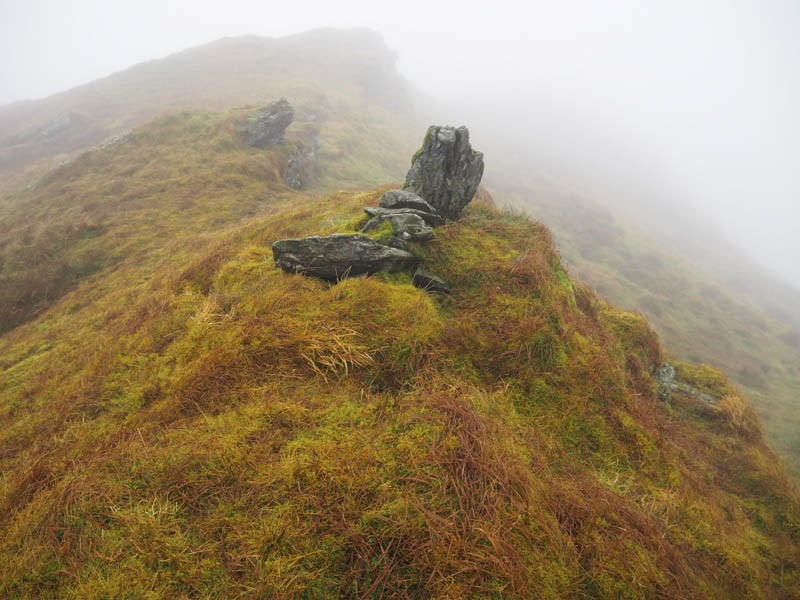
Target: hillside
(185, 420)
(713, 308)
(694, 308)
(321, 66)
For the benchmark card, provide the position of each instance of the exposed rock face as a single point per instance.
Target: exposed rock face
(300, 172)
(337, 256)
(394, 199)
(665, 375)
(447, 171)
(685, 387)
(431, 219)
(62, 123)
(430, 282)
(407, 226)
(269, 124)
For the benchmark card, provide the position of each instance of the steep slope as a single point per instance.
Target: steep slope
(321, 66)
(695, 310)
(185, 420)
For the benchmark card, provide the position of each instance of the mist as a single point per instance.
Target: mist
(679, 108)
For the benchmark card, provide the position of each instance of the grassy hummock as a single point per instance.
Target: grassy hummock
(189, 421)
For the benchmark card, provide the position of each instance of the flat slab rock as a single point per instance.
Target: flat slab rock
(338, 256)
(431, 219)
(394, 199)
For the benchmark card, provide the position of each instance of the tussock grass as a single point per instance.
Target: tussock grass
(190, 421)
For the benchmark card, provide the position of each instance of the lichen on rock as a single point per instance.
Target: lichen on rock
(447, 171)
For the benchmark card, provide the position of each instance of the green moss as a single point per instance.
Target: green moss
(383, 233)
(703, 377)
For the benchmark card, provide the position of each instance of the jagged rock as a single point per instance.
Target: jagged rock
(407, 226)
(430, 282)
(394, 199)
(665, 375)
(430, 218)
(446, 172)
(337, 256)
(300, 171)
(267, 126)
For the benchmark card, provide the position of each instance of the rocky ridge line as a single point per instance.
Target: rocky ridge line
(443, 179)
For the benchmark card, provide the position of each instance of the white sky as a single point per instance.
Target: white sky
(709, 89)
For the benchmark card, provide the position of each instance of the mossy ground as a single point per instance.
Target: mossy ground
(188, 421)
(698, 317)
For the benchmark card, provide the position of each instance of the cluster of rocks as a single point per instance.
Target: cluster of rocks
(443, 179)
(267, 128)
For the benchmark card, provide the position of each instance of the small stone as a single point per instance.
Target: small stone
(430, 282)
(407, 226)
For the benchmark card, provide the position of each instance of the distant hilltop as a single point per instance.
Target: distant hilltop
(222, 74)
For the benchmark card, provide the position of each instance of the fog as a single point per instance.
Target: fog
(693, 106)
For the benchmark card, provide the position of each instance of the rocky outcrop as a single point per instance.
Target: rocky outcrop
(665, 375)
(407, 226)
(337, 256)
(300, 171)
(62, 123)
(430, 282)
(446, 171)
(266, 128)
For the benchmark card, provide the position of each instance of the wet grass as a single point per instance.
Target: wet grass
(189, 421)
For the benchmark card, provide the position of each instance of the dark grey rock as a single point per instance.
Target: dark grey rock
(337, 256)
(447, 171)
(394, 199)
(430, 218)
(430, 282)
(300, 170)
(665, 375)
(268, 125)
(407, 226)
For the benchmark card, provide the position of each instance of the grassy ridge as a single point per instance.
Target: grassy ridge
(188, 421)
(185, 174)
